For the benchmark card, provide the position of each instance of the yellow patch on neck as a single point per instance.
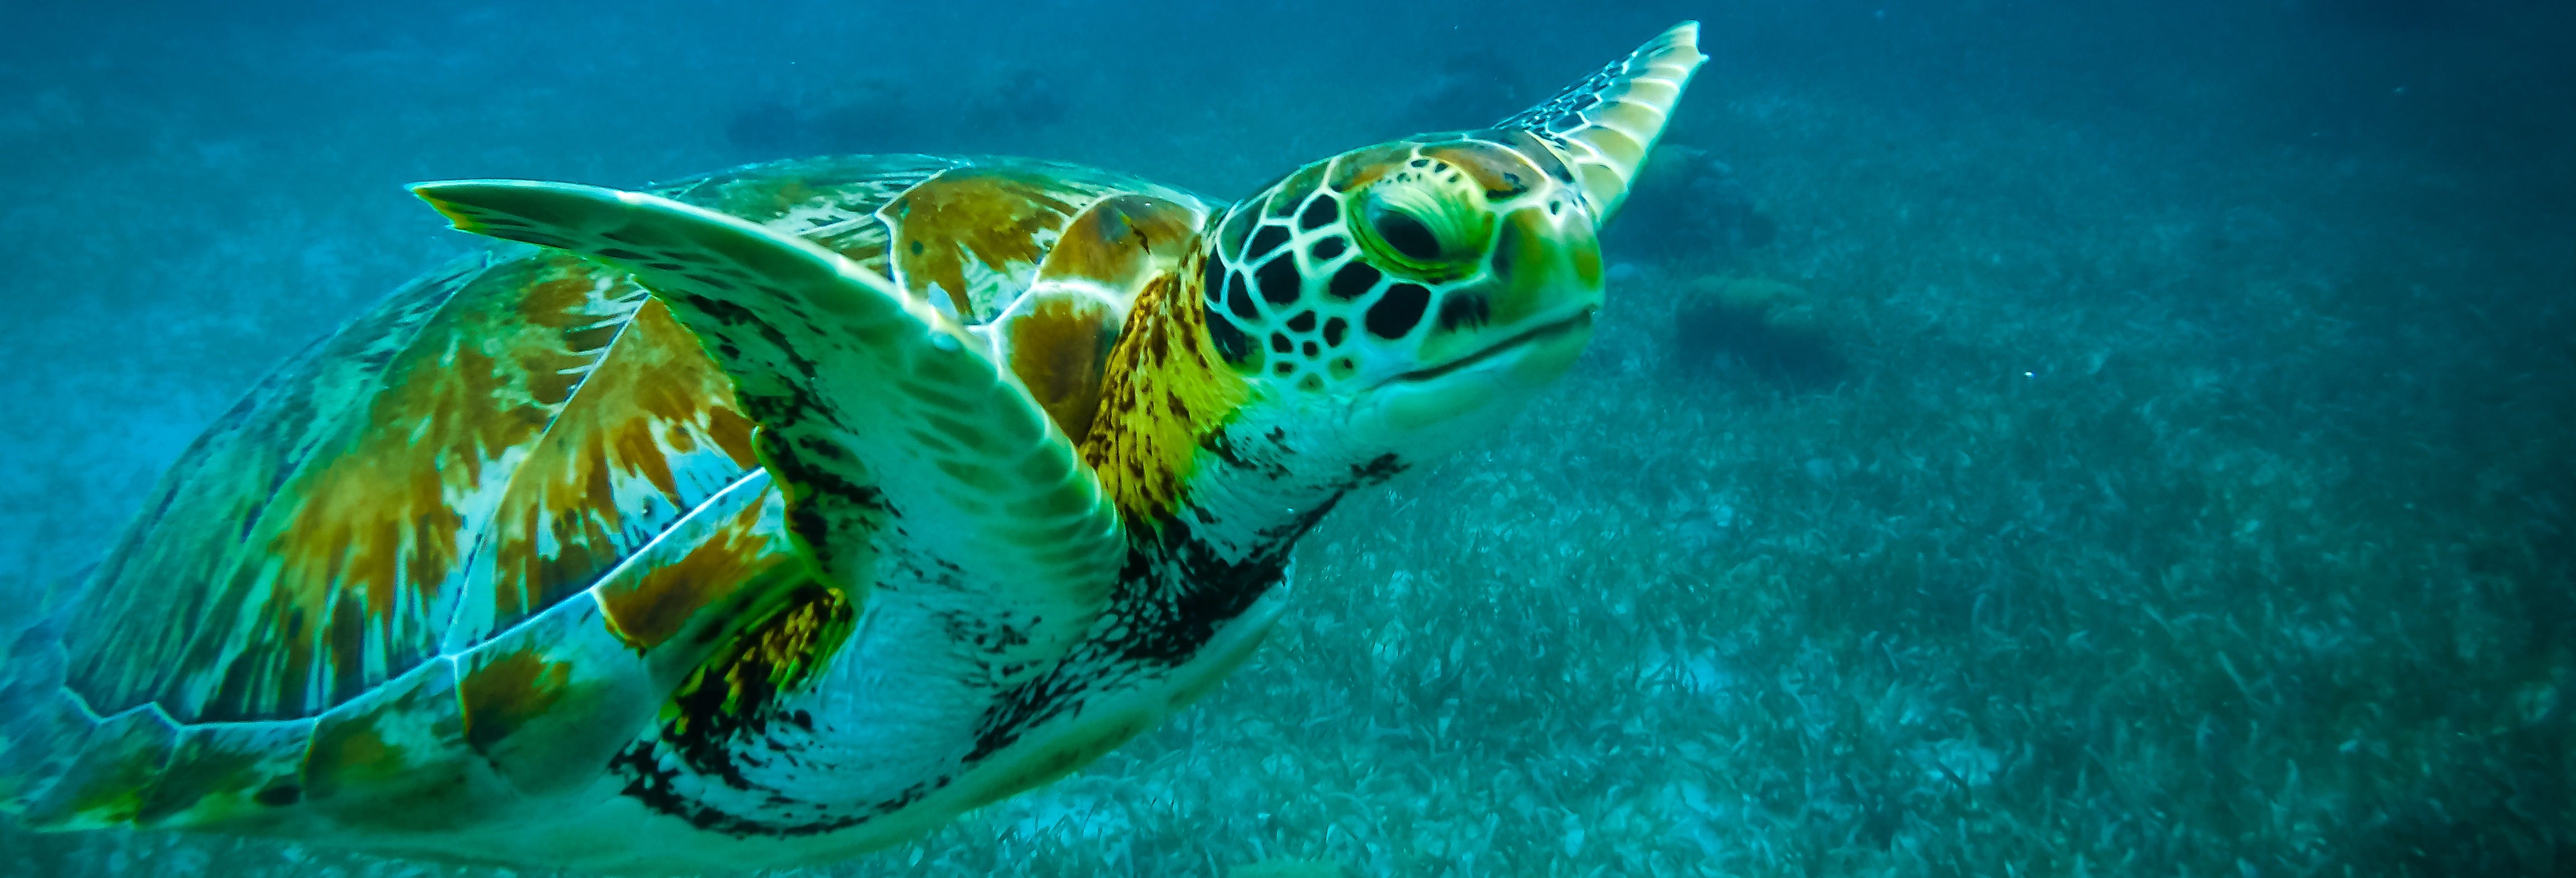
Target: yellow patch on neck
(1163, 390)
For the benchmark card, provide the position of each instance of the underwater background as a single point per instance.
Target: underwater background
(2088, 438)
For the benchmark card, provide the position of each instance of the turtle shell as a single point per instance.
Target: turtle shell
(511, 568)
(462, 550)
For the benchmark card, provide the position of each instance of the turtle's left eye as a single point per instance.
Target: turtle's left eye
(1421, 227)
(1408, 236)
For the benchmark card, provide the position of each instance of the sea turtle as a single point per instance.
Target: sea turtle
(787, 512)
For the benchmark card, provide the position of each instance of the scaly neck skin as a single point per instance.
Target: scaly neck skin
(1265, 479)
(1216, 474)
(1259, 485)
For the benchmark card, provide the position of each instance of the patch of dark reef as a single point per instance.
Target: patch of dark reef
(1688, 205)
(1716, 340)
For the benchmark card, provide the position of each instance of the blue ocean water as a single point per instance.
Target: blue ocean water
(2101, 438)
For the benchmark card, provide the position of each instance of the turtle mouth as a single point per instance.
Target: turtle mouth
(1579, 320)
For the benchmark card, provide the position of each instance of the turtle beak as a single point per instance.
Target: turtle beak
(1604, 126)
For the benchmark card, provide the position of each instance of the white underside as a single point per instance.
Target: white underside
(895, 721)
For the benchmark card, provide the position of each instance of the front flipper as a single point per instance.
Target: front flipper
(1606, 124)
(876, 412)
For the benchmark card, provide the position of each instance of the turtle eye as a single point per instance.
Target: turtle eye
(1406, 235)
(1418, 226)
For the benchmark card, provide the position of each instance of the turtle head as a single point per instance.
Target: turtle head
(1422, 289)
(1424, 286)
(1374, 310)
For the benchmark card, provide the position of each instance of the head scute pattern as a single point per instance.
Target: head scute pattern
(1344, 272)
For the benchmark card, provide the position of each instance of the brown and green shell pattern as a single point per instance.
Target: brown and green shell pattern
(516, 507)
(789, 511)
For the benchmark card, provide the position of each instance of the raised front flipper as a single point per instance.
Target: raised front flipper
(1606, 124)
(876, 412)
